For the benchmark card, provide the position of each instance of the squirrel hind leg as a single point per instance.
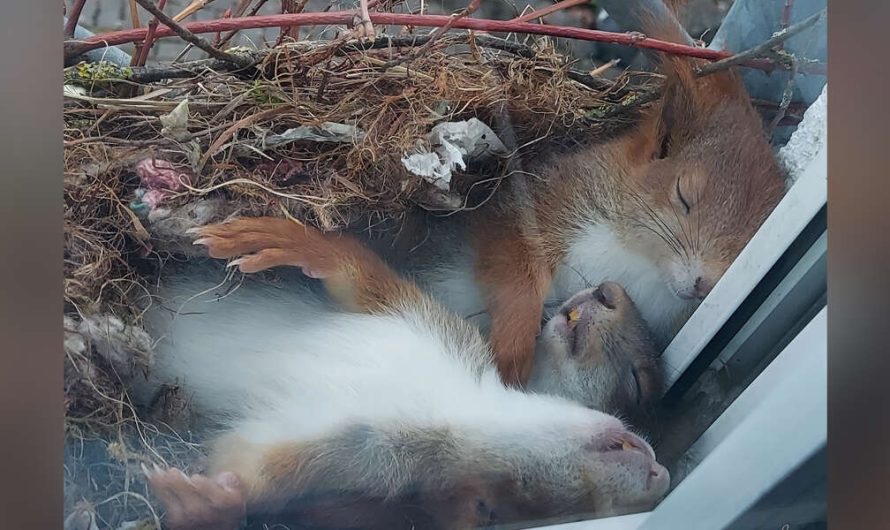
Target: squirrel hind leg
(198, 502)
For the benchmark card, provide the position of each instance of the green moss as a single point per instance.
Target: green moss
(261, 94)
(91, 74)
(609, 110)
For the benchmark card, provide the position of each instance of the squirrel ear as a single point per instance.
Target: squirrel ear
(688, 101)
(671, 119)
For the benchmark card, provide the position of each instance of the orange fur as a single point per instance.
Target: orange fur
(718, 157)
(353, 274)
(515, 280)
(675, 5)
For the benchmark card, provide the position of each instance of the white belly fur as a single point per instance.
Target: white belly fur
(596, 256)
(275, 364)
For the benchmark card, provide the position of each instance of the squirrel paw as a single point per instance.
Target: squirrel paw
(262, 243)
(198, 502)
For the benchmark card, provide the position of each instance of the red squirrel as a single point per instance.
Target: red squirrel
(376, 407)
(662, 209)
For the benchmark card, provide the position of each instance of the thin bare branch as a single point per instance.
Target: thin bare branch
(73, 18)
(764, 49)
(543, 12)
(238, 12)
(787, 94)
(135, 23)
(142, 57)
(188, 36)
(74, 48)
(191, 9)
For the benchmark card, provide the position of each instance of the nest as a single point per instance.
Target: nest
(365, 106)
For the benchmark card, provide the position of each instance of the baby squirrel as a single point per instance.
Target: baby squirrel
(662, 209)
(383, 409)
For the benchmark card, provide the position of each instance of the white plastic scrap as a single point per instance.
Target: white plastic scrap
(175, 123)
(453, 144)
(325, 132)
(74, 91)
(807, 140)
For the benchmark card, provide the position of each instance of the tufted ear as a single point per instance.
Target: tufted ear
(689, 100)
(685, 97)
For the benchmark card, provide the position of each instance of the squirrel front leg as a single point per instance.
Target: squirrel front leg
(353, 274)
(515, 280)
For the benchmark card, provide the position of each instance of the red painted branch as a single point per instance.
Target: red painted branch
(149, 36)
(73, 18)
(559, 6)
(786, 14)
(786, 19)
(345, 17)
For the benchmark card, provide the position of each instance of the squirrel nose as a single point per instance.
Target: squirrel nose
(698, 290)
(703, 286)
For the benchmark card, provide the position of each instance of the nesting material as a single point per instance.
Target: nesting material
(327, 133)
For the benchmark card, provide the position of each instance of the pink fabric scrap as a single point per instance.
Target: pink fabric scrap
(158, 174)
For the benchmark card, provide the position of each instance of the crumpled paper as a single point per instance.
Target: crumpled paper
(453, 145)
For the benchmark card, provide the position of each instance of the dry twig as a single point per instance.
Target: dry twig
(238, 12)
(136, 23)
(761, 50)
(73, 18)
(74, 48)
(543, 12)
(142, 57)
(191, 9)
(188, 36)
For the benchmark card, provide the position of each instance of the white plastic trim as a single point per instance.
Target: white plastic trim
(771, 429)
(624, 522)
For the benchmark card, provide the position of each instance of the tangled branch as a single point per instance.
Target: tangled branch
(75, 48)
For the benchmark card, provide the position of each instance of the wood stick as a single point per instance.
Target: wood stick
(185, 34)
(149, 37)
(543, 12)
(73, 48)
(73, 18)
(761, 49)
